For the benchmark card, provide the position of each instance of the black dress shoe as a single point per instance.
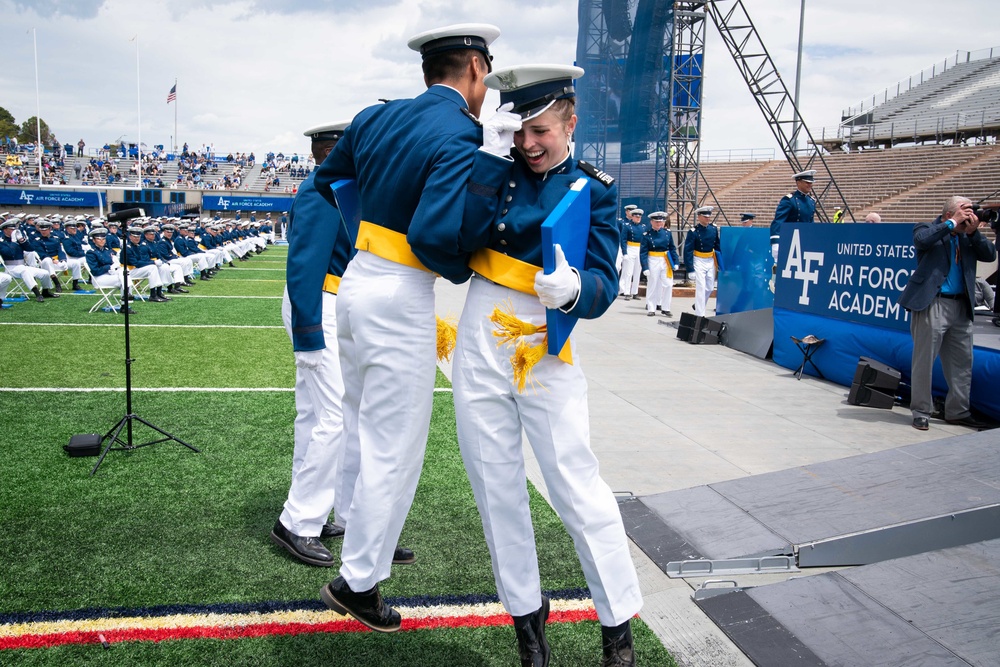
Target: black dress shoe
(158, 299)
(330, 529)
(307, 549)
(617, 644)
(921, 423)
(403, 556)
(532, 647)
(969, 421)
(367, 607)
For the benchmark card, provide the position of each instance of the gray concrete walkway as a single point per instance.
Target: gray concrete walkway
(667, 415)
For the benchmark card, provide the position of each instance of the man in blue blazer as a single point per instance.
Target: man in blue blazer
(940, 296)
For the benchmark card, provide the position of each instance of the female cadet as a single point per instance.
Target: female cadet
(508, 297)
(659, 259)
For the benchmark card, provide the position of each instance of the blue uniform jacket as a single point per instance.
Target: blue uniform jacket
(632, 232)
(527, 199)
(182, 247)
(411, 159)
(11, 251)
(933, 244)
(165, 249)
(73, 245)
(658, 241)
(138, 255)
(318, 244)
(703, 238)
(48, 247)
(793, 207)
(99, 262)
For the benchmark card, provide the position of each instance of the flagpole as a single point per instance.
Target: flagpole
(175, 116)
(138, 100)
(38, 109)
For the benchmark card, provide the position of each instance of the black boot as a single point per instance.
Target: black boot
(231, 265)
(49, 294)
(188, 281)
(617, 645)
(56, 283)
(38, 295)
(76, 284)
(179, 287)
(204, 275)
(156, 295)
(530, 630)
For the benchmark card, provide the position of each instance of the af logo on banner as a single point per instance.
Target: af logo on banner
(847, 272)
(26, 198)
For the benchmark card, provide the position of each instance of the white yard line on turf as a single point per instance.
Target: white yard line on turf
(166, 326)
(166, 389)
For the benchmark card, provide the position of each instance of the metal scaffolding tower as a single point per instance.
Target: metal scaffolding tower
(769, 91)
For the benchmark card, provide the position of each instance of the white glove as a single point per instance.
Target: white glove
(645, 272)
(18, 236)
(309, 360)
(498, 131)
(559, 287)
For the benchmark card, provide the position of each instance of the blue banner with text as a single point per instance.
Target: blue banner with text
(14, 197)
(245, 203)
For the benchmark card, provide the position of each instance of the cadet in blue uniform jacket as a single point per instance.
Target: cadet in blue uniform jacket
(797, 206)
(631, 244)
(509, 297)
(411, 159)
(51, 255)
(72, 243)
(701, 257)
(658, 256)
(13, 244)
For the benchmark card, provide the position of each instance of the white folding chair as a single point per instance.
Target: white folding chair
(17, 291)
(109, 298)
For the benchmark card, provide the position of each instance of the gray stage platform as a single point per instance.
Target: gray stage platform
(935, 609)
(850, 511)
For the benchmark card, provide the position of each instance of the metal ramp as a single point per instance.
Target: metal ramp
(852, 511)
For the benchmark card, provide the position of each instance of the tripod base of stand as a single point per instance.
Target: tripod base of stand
(112, 438)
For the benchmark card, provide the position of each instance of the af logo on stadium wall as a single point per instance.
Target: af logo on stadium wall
(846, 272)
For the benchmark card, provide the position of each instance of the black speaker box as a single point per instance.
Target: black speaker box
(84, 444)
(869, 397)
(874, 374)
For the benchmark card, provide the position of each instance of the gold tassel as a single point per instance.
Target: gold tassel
(508, 327)
(524, 359)
(447, 333)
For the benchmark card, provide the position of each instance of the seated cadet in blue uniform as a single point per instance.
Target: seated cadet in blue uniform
(13, 244)
(411, 160)
(51, 255)
(141, 264)
(508, 298)
(72, 243)
(796, 206)
(701, 257)
(659, 259)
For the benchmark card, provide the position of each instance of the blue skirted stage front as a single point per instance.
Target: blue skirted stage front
(840, 283)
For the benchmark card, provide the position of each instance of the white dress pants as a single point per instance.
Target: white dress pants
(388, 354)
(631, 270)
(490, 415)
(704, 283)
(31, 276)
(660, 285)
(319, 425)
(4, 284)
(110, 279)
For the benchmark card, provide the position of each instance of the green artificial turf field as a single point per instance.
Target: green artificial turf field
(165, 529)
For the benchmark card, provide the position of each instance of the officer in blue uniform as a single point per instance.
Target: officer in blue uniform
(411, 159)
(631, 244)
(659, 259)
(701, 257)
(320, 244)
(491, 405)
(796, 206)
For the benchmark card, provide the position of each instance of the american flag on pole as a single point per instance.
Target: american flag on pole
(172, 95)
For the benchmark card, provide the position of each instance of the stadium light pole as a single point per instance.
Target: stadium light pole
(798, 79)
(138, 115)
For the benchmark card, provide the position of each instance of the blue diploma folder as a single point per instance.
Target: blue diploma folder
(569, 226)
(345, 191)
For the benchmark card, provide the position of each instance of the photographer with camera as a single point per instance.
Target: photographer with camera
(940, 296)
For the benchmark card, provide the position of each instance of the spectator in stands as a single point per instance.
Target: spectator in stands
(940, 296)
(873, 217)
(797, 206)
(79, 147)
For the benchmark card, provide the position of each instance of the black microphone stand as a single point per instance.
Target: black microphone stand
(113, 436)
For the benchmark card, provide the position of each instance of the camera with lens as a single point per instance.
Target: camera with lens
(990, 215)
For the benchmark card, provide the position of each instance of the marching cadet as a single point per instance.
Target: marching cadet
(701, 254)
(141, 264)
(796, 206)
(319, 248)
(386, 325)
(76, 256)
(13, 246)
(491, 405)
(659, 259)
(51, 255)
(631, 243)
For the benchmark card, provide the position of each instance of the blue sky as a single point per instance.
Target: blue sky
(253, 74)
